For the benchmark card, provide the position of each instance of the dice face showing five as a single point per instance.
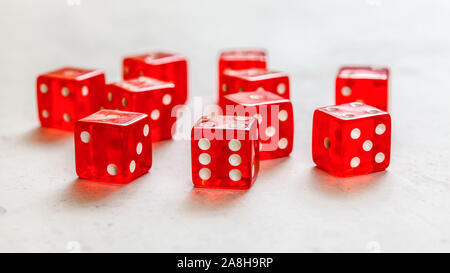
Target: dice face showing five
(351, 139)
(162, 66)
(364, 84)
(68, 94)
(224, 152)
(146, 95)
(234, 81)
(275, 118)
(113, 146)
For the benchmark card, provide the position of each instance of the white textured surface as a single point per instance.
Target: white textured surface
(292, 206)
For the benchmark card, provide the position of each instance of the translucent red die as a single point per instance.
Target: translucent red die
(68, 94)
(365, 84)
(239, 59)
(275, 117)
(224, 152)
(163, 66)
(234, 81)
(146, 95)
(351, 139)
(113, 146)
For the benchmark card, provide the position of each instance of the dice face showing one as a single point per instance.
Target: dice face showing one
(364, 84)
(146, 95)
(275, 118)
(238, 59)
(113, 146)
(68, 94)
(235, 81)
(224, 152)
(162, 66)
(351, 139)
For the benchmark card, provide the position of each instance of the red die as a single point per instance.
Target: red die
(145, 95)
(351, 139)
(225, 152)
(162, 66)
(275, 118)
(234, 81)
(363, 83)
(113, 146)
(68, 94)
(238, 59)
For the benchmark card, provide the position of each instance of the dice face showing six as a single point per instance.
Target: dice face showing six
(146, 95)
(162, 66)
(351, 139)
(234, 81)
(364, 84)
(68, 94)
(224, 152)
(113, 146)
(275, 118)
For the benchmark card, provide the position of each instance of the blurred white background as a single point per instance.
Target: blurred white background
(292, 206)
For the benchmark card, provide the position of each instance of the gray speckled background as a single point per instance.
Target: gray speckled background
(292, 206)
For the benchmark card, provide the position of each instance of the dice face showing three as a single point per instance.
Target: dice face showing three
(113, 146)
(351, 139)
(224, 152)
(275, 118)
(364, 84)
(162, 66)
(68, 94)
(146, 95)
(234, 81)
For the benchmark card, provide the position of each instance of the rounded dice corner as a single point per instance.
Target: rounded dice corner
(39, 80)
